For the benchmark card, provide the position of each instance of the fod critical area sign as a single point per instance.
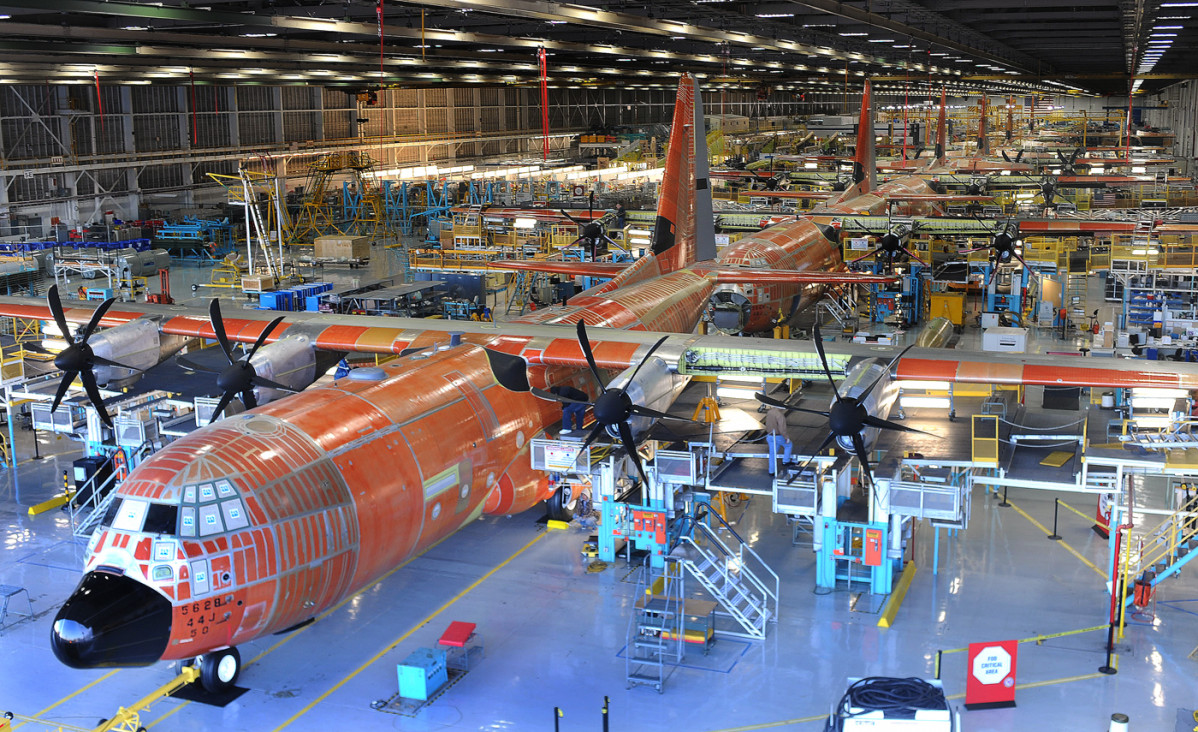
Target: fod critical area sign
(990, 682)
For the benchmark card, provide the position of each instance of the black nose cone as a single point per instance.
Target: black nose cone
(111, 620)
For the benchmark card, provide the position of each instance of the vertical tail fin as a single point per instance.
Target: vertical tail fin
(865, 169)
(983, 130)
(684, 229)
(705, 248)
(942, 128)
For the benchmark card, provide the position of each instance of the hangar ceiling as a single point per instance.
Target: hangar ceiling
(1003, 46)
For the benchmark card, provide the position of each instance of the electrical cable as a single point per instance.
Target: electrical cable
(895, 697)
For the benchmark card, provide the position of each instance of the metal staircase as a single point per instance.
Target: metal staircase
(656, 631)
(1168, 547)
(86, 516)
(842, 306)
(736, 577)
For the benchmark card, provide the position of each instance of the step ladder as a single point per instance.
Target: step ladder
(656, 631)
(735, 576)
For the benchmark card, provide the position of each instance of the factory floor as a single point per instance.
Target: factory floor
(555, 633)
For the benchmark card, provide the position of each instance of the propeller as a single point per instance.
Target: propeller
(78, 359)
(1068, 163)
(893, 244)
(1018, 156)
(591, 231)
(239, 376)
(613, 407)
(847, 416)
(1003, 243)
(1048, 189)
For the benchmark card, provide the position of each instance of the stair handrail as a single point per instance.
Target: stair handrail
(768, 594)
(1182, 533)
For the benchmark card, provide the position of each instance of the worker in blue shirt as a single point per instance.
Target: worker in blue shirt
(572, 414)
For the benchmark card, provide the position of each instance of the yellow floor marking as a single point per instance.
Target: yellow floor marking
(897, 595)
(320, 617)
(1057, 459)
(68, 697)
(1062, 542)
(410, 631)
(1079, 513)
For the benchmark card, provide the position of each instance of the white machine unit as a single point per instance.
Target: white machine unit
(1010, 340)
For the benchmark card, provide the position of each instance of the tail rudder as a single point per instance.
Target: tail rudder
(865, 169)
(685, 196)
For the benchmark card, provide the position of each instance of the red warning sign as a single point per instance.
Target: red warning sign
(990, 681)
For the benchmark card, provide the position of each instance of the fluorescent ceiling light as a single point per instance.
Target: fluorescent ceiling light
(881, 40)
(1168, 27)
(852, 35)
(775, 15)
(1179, 5)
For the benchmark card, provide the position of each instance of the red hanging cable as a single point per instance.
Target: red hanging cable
(544, 103)
(99, 101)
(906, 96)
(379, 11)
(195, 126)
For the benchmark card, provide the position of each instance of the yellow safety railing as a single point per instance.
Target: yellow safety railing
(1163, 543)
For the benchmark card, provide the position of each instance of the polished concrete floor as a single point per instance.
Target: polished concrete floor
(555, 634)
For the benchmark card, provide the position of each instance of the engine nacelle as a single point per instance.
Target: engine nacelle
(879, 401)
(289, 361)
(730, 309)
(136, 343)
(656, 387)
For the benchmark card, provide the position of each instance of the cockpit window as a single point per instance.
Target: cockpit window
(161, 519)
(110, 514)
(130, 515)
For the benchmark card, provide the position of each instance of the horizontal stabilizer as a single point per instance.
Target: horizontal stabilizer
(555, 266)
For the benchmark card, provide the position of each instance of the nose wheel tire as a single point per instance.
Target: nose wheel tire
(561, 504)
(219, 670)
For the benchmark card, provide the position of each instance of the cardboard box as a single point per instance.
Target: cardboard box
(342, 247)
(257, 283)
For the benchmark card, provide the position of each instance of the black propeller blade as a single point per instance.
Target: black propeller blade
(613, 407)
(1004, 244)
(78, 359)
(847, 417)
(591, 233)
(239, 377)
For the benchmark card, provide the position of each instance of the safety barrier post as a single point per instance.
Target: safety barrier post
(939, 655)
(606, 703)
(1056, 507)
(557, 714)
(1107, 668)
(1004, 503)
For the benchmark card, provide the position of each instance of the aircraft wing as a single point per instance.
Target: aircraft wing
(935, 197)
(556, 266)
(556, 345)
(748, 276)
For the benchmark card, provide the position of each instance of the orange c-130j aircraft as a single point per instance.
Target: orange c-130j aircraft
(261, 521)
